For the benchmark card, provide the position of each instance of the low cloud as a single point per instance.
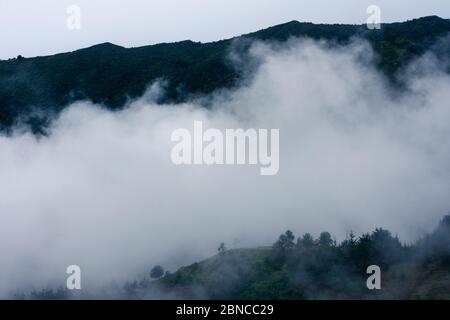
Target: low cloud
(102, 192)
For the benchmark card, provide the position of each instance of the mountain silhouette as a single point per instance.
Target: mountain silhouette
(107, 74)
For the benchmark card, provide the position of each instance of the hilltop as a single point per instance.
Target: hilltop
(107, 74)
(301, 268)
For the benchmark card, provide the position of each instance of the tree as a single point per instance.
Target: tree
(364, 251)
(386, 248)
(285, 241)
(351, 239)
(306, 241)
(436, 246)
(282, 247)
(289, 240)
(222, 248)
(325, 239)
(157, 272)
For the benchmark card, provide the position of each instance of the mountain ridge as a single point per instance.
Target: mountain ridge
(290, 23)
(110, 75)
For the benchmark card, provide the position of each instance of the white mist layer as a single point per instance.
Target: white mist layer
(101, 191)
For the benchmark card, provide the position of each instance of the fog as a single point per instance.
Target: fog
(101, 191)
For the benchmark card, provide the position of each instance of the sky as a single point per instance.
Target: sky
(32, 28)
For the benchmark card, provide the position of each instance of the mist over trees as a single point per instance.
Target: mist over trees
(157, 272)
(400, 156)
(301, 268)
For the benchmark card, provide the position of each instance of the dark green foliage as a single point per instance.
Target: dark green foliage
(32, 90)
(435, 247)
(320, 269)
(282, 248)
(312, 269)
(222, 248)
(157, 272)
(47, 294)
(306, 241)
(325, 240)
(285, 242)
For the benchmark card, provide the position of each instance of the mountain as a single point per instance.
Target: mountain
(33, 88)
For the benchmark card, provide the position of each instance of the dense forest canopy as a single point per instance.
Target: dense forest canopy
(32, 89)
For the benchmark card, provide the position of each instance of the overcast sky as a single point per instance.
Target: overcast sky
(39, 27)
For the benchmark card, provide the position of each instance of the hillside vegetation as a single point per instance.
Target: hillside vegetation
(33, 89)
(307, 268)
(300, 268)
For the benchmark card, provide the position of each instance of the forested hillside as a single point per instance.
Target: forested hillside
(300, 268)
(31, 89)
